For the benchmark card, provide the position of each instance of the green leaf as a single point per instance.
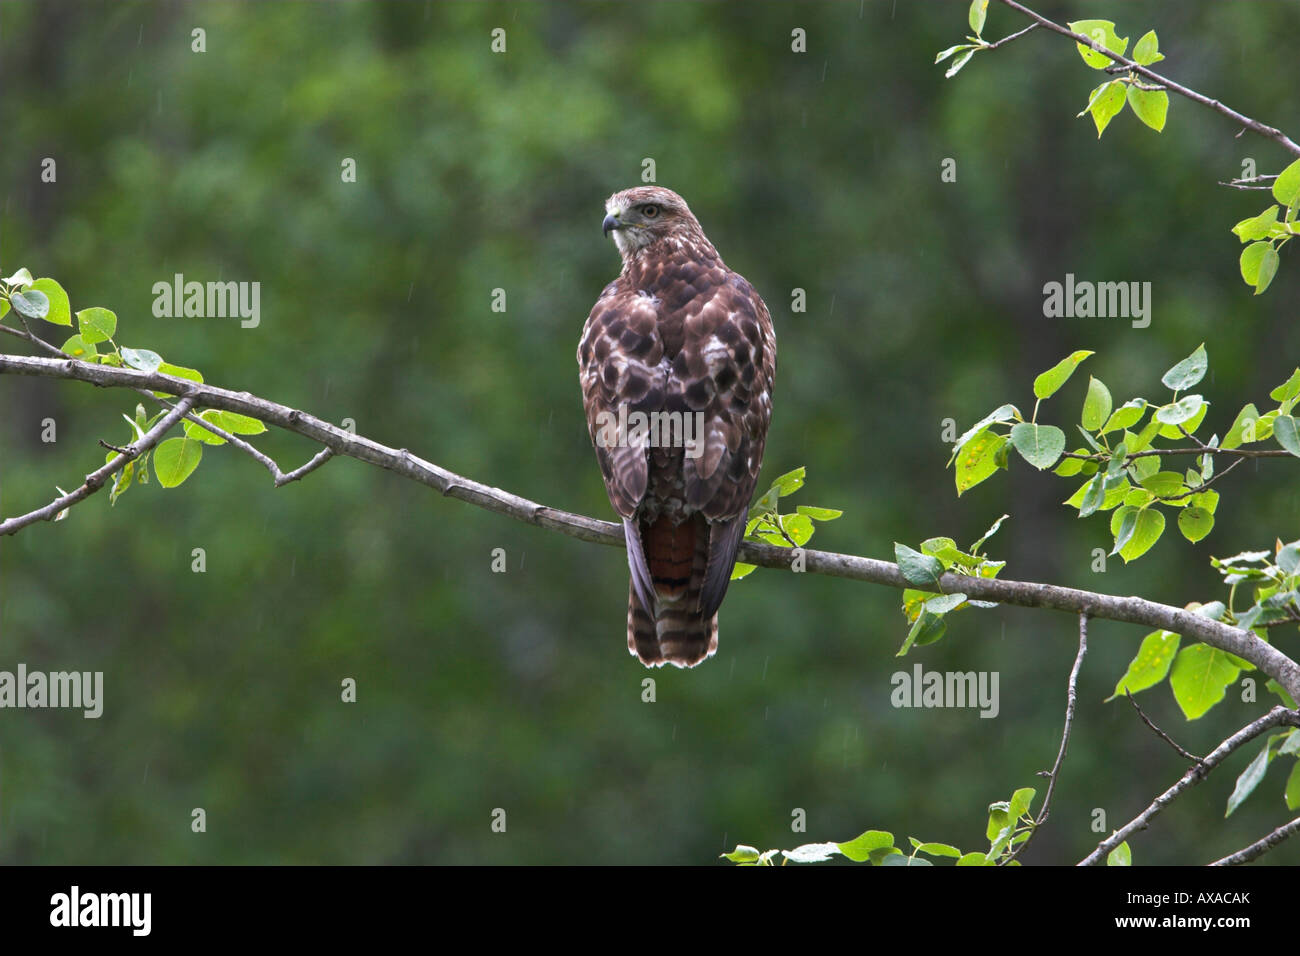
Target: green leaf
(1250, 778)
(742, 570)
(1046, 384)
(1163, 483)
(1021, 800)
(1102, 34)
(860, 848)
(1200, 675)
(1004, 413)
(58, 313)
(4, 307)
(1252, 259)
(939, 849)
(798, 528)
(31, 304)
(1257, 227)
(1094, 494)
(974, 858)
(999, 819)
(1150, 526)
(1151, 663)
(1195, 523)
(961, 60)
(926, 629)
(1151, 106)
(787, 484)
(1288, 389)
(175, 460)
(1189, 425)
(1180, 411)
(1126, 416)
(979, 9)
(1147, 50)
(817, 514)
(1105, 104)
(1120, 856)
(742, 854)
(977, 460)
(1247, 416)
(22, 278)
(79, 348)
(1187, 372)
(944, 54)
(142, 359)
(993, 529)
(1122, 525)
(1096, 405)
(97, 325)
(1286, 188)
(1040, 445)
(811, 853)
(945, 603)
(1286, 432)
(921, 570)
(179, 371)
(1268, 264)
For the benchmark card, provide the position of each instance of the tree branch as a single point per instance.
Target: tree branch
(1163, 736)
(1254, 126)
(96, 479)
(1276, 717)
(1133, 610)
(1261, 846)
(1071, 698)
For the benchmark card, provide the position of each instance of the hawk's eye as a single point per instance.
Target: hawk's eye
(650, 210)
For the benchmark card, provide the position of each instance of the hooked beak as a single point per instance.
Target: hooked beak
(611, 223)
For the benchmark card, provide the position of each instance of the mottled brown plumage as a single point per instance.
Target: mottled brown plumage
(677, 333)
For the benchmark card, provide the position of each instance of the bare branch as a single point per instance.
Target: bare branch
(1261, 846)
(96, 479)
(1007, 39)
(1254, 126)
(1133, 610)
(1277, 717)
(1163, 736)
(1071, 697)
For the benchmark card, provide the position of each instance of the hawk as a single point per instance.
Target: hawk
(676, 363)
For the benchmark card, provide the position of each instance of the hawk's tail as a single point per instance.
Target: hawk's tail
(677, 631)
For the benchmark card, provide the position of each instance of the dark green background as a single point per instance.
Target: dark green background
(477, 171)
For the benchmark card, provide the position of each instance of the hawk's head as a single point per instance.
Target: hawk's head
(644, 215)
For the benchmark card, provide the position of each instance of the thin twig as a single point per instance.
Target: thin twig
(1252, 182)
(1163, 736)
(1242, 452)
(1007, 39)
(1255, 126)
(1261, 846)
(1071, 698)
(96, 479)
(1278, 716)
(1201, 487)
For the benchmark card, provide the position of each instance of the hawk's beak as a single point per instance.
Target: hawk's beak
(610, 223)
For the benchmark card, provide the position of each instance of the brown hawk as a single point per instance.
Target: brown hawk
(676, 363)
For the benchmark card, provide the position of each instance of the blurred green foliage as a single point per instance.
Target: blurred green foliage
(476, 171)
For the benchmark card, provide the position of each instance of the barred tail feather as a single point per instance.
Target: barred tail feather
(676, 631)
